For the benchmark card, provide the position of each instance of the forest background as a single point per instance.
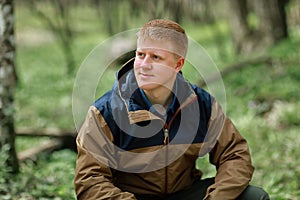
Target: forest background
(255, 45)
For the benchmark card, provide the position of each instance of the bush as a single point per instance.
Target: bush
(4, 171)
(50, 178)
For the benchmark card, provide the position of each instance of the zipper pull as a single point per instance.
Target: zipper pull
(166, 134)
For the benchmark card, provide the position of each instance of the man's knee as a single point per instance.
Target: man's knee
(254, 193)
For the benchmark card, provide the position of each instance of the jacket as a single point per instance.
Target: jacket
(127, 147)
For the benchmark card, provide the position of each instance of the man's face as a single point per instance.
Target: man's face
(155, 66)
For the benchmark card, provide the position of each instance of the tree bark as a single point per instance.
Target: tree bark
(7, 82)
(271, 29)
(237, 14)
(272, 18)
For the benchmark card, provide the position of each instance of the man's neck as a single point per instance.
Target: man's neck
(163, 97)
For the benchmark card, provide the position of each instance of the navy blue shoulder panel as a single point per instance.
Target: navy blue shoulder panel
(103, 104)
(122, 139)
(102, 101)
(205, 101)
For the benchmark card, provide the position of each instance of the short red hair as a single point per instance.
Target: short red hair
(164, 23)
(166, 30)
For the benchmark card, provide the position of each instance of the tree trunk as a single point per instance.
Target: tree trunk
(7, 82)
(272, 24)
(176, 9)
(272, 18)
(237, 14)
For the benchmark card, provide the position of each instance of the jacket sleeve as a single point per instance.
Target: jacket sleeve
(231, 157)
(93, 176)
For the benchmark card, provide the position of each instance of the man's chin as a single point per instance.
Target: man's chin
(148, 86)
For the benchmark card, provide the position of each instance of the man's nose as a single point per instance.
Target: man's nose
(146, 62)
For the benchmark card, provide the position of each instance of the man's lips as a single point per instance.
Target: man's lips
(145, 75)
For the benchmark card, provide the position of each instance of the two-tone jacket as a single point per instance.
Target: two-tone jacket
(127, 146)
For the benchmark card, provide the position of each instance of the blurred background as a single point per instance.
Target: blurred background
(255, 45)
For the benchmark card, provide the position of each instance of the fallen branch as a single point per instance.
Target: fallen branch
(48, 132)
(235, 67)
(46, 147)
(60, 139)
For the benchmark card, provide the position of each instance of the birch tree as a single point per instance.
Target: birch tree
(7, 81)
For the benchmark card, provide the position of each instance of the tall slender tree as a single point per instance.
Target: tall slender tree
(7, 81)
(272, 24)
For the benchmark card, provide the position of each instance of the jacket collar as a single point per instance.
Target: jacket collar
(137, 104)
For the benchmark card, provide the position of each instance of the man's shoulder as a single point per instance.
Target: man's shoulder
(202, 94)
(205, 101)
(103, 101)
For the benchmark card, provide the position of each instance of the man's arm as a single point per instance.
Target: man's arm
(232, 159)
(93, 178)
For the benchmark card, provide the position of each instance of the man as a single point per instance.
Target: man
(141, 139)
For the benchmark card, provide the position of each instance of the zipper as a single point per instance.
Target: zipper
(166, 136)
(167, 140)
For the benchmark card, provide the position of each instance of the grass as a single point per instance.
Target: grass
(262, 101)
(49, 178)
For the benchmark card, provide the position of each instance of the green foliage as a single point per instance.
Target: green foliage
(262, 101)
(274, 154)
(4, 169)
(290, 116)
(50, 178)
(23, 142)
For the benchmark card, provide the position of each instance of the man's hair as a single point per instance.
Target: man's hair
(166, 30)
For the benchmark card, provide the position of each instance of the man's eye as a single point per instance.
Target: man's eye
(140, 54)
(155, 57)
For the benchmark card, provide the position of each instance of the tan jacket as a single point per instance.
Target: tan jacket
(112, 164)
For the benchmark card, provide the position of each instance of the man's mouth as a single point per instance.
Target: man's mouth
(145, 75)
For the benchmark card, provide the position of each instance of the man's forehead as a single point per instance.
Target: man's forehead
(155, 45)
(156, 49)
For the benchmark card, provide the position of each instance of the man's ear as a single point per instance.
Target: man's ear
(179, 64)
